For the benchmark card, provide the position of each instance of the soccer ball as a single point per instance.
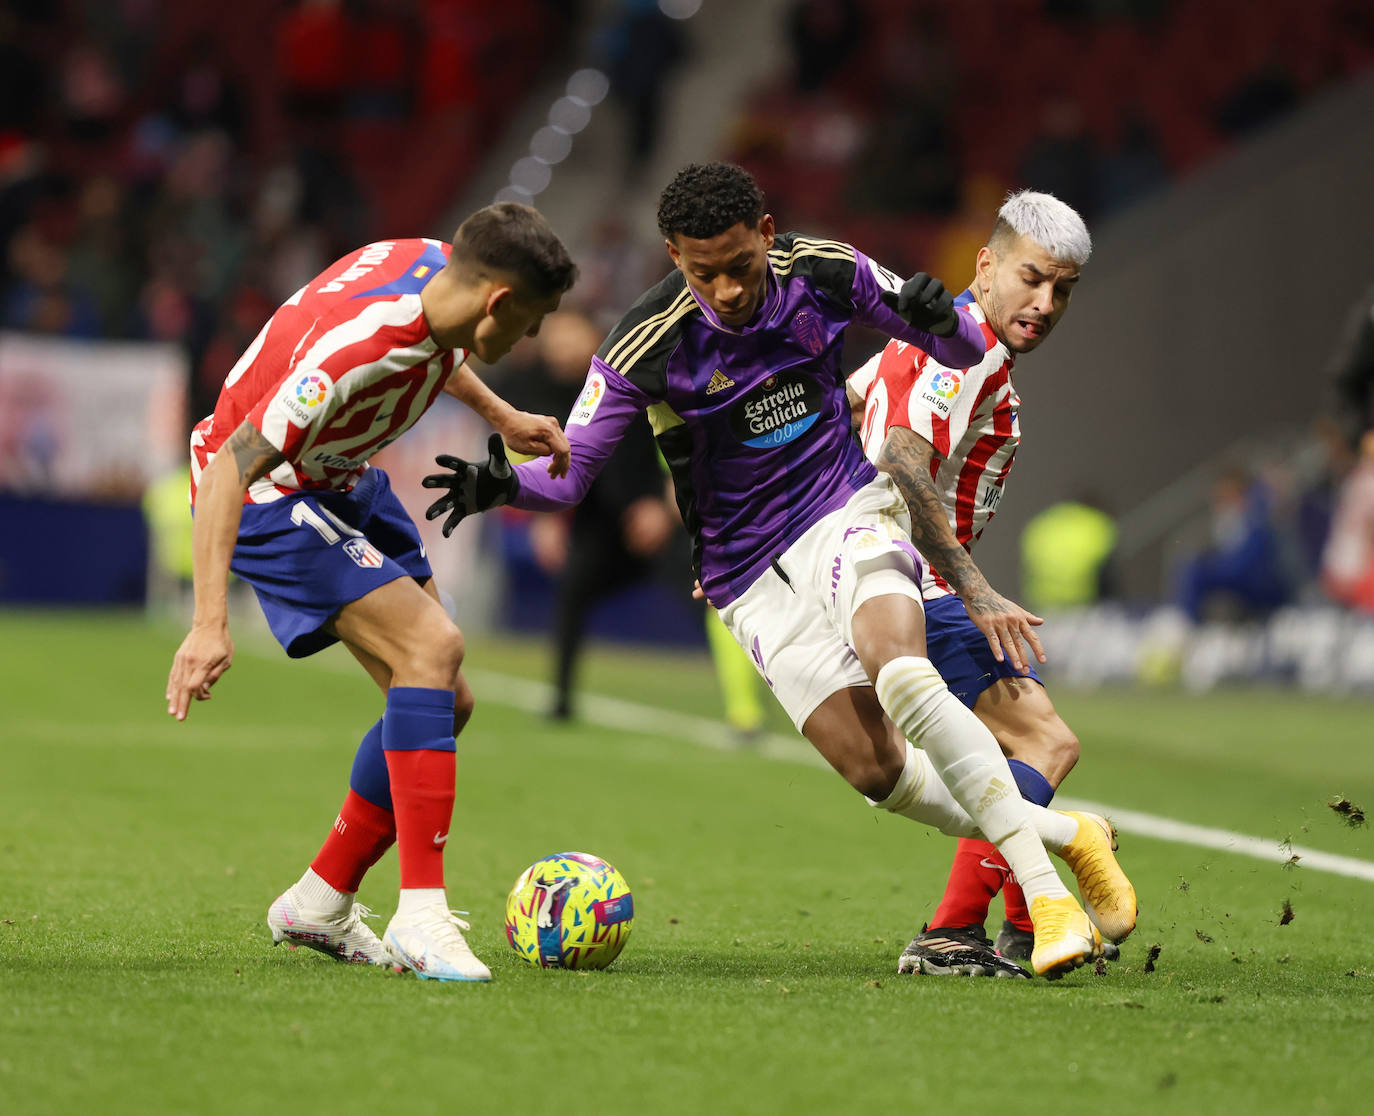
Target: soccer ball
(569, 911)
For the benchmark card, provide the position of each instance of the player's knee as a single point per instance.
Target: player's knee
(430, 654)
(447, 649)
(886, 628)
(871, 778)
(1052, 749)
(873, 774)
(1064, 748)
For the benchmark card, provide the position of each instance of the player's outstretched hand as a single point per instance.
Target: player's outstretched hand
(205, 654)
(539, 436)
(924, 303)
(1006, 625)
(472, 488)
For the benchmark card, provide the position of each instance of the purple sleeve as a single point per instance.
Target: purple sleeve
(607, 404)
(964, 348)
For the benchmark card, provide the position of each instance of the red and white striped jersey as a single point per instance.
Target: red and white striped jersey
(968, 414)
(343, 368)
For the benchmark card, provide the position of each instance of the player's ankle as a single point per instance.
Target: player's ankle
(320, 896)
(412, 900)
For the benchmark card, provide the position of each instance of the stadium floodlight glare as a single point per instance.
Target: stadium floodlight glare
(679, 9)
(589, 86)
(550, 145)
(530, 175)
(570, 114)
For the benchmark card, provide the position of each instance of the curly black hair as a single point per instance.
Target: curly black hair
(705, 199)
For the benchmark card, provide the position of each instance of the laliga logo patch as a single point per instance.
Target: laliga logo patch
(302, 398)
(363, 553)
(310, 390)
(590, 399)
(942, 389)
(945, 384)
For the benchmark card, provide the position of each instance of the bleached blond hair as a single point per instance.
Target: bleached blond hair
(1043, 218)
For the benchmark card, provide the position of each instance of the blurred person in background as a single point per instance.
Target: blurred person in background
(822, 36)
(613, 267)
(799, 541)
(1062, 158)
(947, 435)
(1242, 573)
(625, 531)
(621, 533)
(42, 297)
(284, 496)
(1351, 375)
(1348, 560)
(1066, 555)
(740, 685)
(643, 47)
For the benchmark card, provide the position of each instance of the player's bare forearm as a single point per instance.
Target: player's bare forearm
(243, 458)
(536, 435)
(207, 651)
(467, 387)
(907, 457)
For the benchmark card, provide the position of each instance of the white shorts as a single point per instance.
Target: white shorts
(796, 619)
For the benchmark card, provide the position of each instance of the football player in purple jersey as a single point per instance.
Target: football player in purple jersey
(799, 542)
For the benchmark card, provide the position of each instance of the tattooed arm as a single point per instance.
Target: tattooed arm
(207, 651)
(907, 457)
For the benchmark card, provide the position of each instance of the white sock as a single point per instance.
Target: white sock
(414, 899)
(318, 897)
(921, 796)
(967, 760)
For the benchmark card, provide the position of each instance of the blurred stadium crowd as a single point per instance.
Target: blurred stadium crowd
(906, 120)
(174, 171)
(171, 172)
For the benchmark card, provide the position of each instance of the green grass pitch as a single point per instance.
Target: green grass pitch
(137, 859)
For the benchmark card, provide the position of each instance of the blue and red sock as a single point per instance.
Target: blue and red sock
(421, 762)
(365, 827)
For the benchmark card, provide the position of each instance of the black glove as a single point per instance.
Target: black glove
(472, 488)
(925, 304)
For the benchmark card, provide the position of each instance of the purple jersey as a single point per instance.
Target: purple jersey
(753, 422)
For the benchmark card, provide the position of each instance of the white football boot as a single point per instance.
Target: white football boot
(430, 943)
(345, 937)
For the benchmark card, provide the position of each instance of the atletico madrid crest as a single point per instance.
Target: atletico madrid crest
(363, 553)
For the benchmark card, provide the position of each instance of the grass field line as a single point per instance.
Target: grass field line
(615, 713)
(532, 696)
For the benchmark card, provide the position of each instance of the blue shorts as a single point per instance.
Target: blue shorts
(961, 653)
(309, 554)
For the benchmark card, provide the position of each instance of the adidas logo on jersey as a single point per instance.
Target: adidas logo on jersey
(997, 790)
(719, 382)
